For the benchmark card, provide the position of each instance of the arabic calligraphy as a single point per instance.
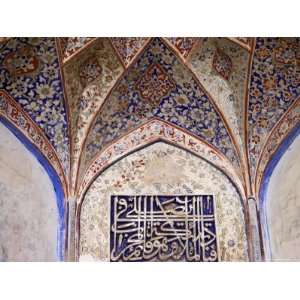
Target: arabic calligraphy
(163, 228)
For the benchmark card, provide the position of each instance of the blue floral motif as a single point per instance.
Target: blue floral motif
(184, 105)
(274, 86)
(38, 90)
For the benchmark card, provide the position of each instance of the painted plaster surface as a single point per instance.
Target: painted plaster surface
(89, 79)
(166, 170)
(283, 206)
(158, 85)
(274, 86)
(71, 45)
(222, 66)
(128, 47)
(28, 213)
(29, 72)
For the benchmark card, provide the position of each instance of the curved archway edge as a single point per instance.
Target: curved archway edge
(54, 178)
(148, 133)
(273, 162)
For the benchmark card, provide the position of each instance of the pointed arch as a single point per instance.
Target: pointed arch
(17, 122)
(149, 132)
(279, 151)
(156, 143)
(278, 137)
(14, 114)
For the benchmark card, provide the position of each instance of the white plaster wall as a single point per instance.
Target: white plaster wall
(28, 212)
(161, 169)
(283, 206)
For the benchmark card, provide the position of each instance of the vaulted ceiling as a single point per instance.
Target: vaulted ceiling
(85, 98)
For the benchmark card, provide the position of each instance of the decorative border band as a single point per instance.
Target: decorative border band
(150, 132)
(11, 111)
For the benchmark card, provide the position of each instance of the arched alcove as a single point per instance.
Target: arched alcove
(166, 170)
(280, 201)
(31, 201)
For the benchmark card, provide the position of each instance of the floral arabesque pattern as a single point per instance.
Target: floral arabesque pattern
(279, 133)
(128, 47)
(39, 89)
(152, 131)
(71, 45)
(154, 170)
(228, 91)
(183, 45)
(88, 80)
(12, 112)
(186, 106)
(274, 86)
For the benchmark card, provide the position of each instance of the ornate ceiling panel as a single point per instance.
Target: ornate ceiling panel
(183, 45)
(275, 85)
(30, 73)
(128, 48)
(116, 85)
(88, 80)
(72, 45)
(158, 85)
(222, 67)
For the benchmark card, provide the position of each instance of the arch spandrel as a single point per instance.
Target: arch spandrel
(154, 170)
(152, 131)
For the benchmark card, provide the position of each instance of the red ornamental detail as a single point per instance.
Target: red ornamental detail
(128, 47)
(155, 84)
(23, 61)
(12, 112)
(222, 64)
(89, 70)
(183, 44)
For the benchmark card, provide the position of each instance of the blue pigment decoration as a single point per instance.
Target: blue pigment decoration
(266, 179)
(54, 179)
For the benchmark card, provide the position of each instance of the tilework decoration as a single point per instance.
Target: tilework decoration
(154, 171)
(182, 103)
(274, 86)
(155, 130)
(222, 66)
(183, 45)
(128, 47)
(278, 135)
(29, 72)
(88, 80)
(71, 45)
(163, 228)
(13, 112)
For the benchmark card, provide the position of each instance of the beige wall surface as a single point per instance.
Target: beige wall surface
(161, 169)
(28, 212)
(283, 206)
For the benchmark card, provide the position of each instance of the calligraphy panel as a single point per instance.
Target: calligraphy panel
(163, 228)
